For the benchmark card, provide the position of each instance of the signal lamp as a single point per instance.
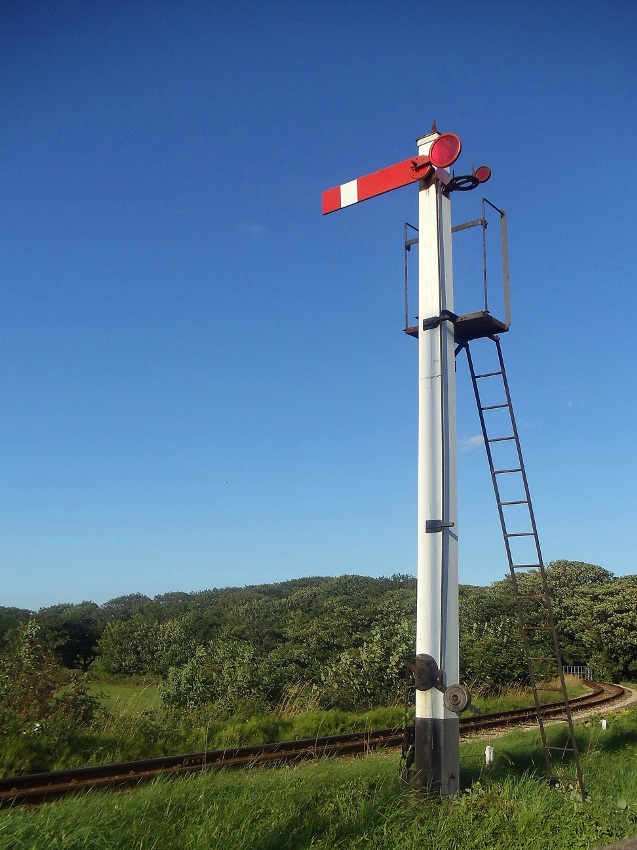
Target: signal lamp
(445, 150)
(482, 173)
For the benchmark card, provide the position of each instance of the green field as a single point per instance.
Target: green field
(127, 698)
(359, 803)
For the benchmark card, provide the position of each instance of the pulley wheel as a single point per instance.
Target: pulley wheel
(457, 698)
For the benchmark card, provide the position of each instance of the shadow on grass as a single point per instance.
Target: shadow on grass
(511, 760)
(610, 740)
(521, 753)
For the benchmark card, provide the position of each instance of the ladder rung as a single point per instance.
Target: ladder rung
(500, 471)
(499, 439)
(519, 534)
(488, 375)
(516, 502)
(525, 566)
(493, 406)
(562, 749)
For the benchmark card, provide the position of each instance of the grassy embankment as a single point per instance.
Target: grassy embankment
(136, 727)
(359, 803)
(133, 704)
(132, 697)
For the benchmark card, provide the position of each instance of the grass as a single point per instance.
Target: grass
(132, 697)
(127, 699)
(519, 697)
(152, 733)
(137, 728)
(359, 803)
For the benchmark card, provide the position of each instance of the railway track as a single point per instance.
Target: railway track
(38, 787)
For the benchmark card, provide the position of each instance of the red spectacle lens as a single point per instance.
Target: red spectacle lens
(445, 150)
(482, 173)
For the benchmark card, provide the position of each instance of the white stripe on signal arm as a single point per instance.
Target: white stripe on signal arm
(349, 193)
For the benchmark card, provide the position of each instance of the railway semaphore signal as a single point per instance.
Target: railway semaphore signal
(433, 757)
(436, 744)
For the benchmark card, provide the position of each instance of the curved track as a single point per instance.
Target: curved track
(37, 787)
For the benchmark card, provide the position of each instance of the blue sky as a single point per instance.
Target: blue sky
(203, 381)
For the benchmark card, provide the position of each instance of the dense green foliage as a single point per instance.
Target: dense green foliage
(330, 643)
(354, 803)
(44, 711)
(348, 635)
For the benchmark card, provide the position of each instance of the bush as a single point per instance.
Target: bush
(43, 711)
(187, 687)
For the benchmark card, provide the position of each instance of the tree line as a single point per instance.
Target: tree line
(327, 642)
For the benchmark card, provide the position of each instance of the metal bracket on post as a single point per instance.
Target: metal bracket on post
(433, 526)
(435, 321)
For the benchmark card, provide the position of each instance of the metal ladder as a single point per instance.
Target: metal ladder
(535, 615)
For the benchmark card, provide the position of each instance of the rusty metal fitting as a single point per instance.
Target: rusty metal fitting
(457, 698)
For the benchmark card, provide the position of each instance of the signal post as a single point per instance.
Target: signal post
(439, 697)
(436, 744)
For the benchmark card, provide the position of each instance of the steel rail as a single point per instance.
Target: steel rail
(38, 787)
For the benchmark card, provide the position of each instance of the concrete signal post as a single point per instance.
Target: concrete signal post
(436, 745)
(439, 699)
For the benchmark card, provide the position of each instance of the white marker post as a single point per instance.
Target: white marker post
(436, 751)
(436, 757)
